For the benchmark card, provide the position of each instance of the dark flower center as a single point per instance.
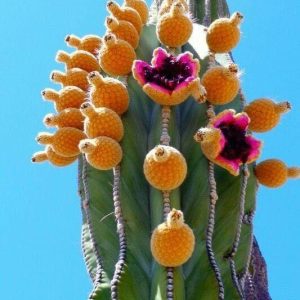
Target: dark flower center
(169, 75)
(236, 146)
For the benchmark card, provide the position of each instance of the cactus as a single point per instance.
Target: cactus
(178, 174)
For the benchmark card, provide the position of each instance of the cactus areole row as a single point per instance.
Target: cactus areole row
(154, 113)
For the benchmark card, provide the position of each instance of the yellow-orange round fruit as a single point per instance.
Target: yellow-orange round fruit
(221, 84)
(108, 92)
(78, 59)
(102, 153)
(175, 28)
(64, 141)
(123, 30)
(125, 13)
(141, 7)
(224, 34)
(165, 168)
(69, 117)
(265, 114)
(68, 97)
(116, 56)
(52, 157)
(172, 242)
(102, 121)
(271, 173)
(73, 77)
(167, 4)
(90, 43)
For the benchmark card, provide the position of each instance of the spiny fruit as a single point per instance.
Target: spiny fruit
(265, 113)
(108, 92)
(69, 117)
(73, 77)
(68, 97)
(123, 30)
(52, 157)
(101, 121)
(167, 4)
(125, 13)
(172, 242)
(174, 28)
(221, 84)
(224, 33)
(78, 59)
(64, 141)
(90, 43)
(116, 56)
(102, 152)
(165, 168)
(274, 173)
(141, 7)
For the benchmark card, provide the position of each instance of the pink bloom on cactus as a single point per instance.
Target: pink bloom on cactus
(226, 143)
(169, 80)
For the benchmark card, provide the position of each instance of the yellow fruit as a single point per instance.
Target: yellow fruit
(221, 84)
(78, 59)
(125, 13)
(64, 141)
(265, 114)
(73, 77)
(69, 117)
(174, 28)
(68, 97)
(52, 157)
(102, 153)
(224, 33)
(165, 168)
(116, 56)
(123, 30)
(141, 7)
(101, 121)
(108, 92)
(90, 43)
(167, 4)
(274, 173)
(172, 242)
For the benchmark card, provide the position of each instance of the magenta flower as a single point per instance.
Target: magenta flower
(226, 143)
(169, 80)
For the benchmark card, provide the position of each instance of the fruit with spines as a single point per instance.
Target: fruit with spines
(125, 13)
(265, 113)
(174, 28)
(55, 159)
(123, 30)
(73, 77)
(78, 59)
(165, 168)
(64, 141)
(68, 97)
(274, 173)
(101, 121)
(224, 34)
(141, 7)
(222, 84)
(90, 43)
(69, 117)
(108, 92)
(102, 152)
(167, 4)
(172, 242)
(116, 56)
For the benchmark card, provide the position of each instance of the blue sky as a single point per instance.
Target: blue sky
(39, 209)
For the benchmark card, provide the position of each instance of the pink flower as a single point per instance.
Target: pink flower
(226, 143)
(169, 80)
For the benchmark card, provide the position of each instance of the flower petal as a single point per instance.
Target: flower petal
(242, 120)
(187, 58)
(159, 56)
(232, 166)
(255, 151)
(226, 116)
(138, 71)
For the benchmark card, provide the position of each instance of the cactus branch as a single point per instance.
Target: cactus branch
(86, 208)
(119, 268)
